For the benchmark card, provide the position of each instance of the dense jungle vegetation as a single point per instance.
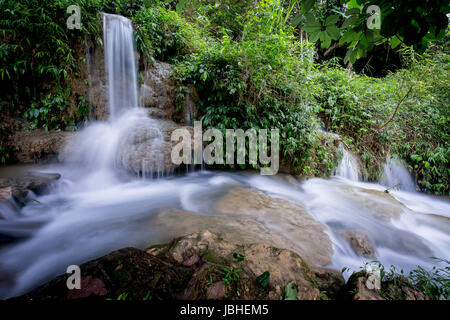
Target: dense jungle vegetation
(304, 67)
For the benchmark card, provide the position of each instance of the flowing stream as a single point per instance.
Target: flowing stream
(98, 206)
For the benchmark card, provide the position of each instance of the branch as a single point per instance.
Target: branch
(395, 111)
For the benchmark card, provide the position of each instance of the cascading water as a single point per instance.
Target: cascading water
(348, 166)
(120, 63)
(395, 175)
(130, 140)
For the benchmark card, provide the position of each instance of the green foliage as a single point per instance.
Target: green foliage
(258, 82)
(263, 279)
(402, 22)
(164, 35)
(379, 116)
(435, 283)
(290, 292)
(230, 275)
(238, 257)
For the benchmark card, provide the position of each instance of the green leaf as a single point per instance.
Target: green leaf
(307, 5)
(290, 292)
(263, 279)
(333, 32)
(353, 11)
(297, 19)
(350, 21)
(238, 257)
(326, 42)
(311, 24)
(395, 41)
(313, 37)
(331, 20)
(347, 37)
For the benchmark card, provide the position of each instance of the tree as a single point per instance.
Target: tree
(413, 23)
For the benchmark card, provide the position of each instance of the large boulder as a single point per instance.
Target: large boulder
(39, 145)
(295, 228)
(158, 89)
(197, 266)
(147, 147)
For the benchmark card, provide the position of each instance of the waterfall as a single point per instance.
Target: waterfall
(130, 140)
(120, 63)
(396, 175)
(348, 166)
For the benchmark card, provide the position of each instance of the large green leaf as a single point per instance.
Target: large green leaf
(331, 20)
(347, 37)
(350, 21)
(311, 24)
(333, 32)
(314, 36)
(307, 5)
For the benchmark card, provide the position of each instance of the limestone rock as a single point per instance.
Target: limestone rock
(158, 90)
(300, 231)
(360, 242)
(35, 181)
(37, 145)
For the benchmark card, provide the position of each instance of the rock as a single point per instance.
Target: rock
(190, 267)
(380, 204)
(88, 286)
(156, 113)
(38, 182)
(159, 90)
(245, 230)
(5, 193)
(216, 291)
(394, 289)
(38, 145)
(129, 273)
(96, 76)
(284, 265)
(360, 242)
(300, 231)
(147, 149)
(329, 281)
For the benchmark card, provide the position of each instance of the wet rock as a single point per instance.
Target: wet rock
(159, 90)
(38, 182)
(378, 203)
(358, 287)
(360, 242)
(156, 113)
(300, 231)
(96, 76)
(39, 145)
(216, 291)
(284, 265)
(168, 272)
(129, 273)
(147, 149)
(242, 229)
(88, 286)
